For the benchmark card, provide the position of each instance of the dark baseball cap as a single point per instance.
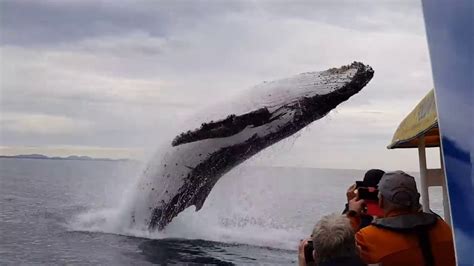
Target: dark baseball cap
(372, 177)
(400, 188)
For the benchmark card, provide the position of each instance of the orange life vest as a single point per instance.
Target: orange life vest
(406, 239)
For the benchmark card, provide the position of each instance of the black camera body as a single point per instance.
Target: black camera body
(308, 251)
(360, 184)
(368, 193)
(371, 197)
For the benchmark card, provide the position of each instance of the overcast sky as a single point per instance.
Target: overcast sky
(113, 78)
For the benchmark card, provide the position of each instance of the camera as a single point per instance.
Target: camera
(308, 251)
(371, 197)
(368, 193)
(360, 184)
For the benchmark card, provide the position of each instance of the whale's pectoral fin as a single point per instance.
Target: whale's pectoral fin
(232, 125)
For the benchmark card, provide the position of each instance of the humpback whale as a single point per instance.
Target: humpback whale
(197, 158)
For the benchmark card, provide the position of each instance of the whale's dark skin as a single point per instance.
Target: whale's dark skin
(201, 156)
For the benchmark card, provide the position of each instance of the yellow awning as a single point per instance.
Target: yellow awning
(421, 121)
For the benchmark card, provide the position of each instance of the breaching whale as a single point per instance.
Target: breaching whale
(196, 159)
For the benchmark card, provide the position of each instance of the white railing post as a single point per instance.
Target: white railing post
(425, 198)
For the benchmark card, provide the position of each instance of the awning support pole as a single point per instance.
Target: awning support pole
(423, 171)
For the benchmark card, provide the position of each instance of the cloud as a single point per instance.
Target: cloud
(52, 22)
(42, 124)
(133, 70)
(66, 75)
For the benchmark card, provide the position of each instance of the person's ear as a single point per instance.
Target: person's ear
(380, 201)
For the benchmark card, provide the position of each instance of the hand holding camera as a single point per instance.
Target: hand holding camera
(366, 200)
(350, 194)
(305, 251)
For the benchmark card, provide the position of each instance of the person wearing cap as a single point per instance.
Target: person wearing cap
(371, 179)
(404, 235)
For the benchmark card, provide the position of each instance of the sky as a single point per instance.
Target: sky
(114, 78)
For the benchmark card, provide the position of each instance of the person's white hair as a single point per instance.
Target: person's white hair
(333, 237)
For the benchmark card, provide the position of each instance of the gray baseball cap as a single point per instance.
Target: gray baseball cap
(400, 188)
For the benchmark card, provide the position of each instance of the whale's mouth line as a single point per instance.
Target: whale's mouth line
(225, 128)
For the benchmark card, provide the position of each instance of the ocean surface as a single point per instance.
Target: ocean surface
(67, 212)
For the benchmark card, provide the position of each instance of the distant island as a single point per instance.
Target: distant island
(72, 157)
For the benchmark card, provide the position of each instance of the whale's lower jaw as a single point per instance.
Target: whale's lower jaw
(201, 179)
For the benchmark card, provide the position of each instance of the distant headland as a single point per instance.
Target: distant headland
(72, 157)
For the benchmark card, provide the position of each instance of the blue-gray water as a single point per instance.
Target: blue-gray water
(62, 212)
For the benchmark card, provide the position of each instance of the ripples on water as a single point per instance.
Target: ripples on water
(58, 212)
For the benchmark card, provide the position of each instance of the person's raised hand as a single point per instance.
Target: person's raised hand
(301, 258)
(350, 194)
(356, 205)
